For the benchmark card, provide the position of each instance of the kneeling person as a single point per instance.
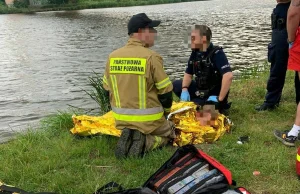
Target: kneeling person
(210, 66)
(140, 91)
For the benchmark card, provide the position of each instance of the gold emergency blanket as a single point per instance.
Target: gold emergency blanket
(183, 114)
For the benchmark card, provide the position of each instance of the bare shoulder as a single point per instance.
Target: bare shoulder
(296, 3)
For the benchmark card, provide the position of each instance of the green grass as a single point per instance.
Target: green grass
(88, 4)
(51, 159)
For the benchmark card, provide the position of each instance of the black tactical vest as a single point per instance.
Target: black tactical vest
(207, 75)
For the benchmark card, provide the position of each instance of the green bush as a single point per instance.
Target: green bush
(21, 3)
(58, 2)
(2, 3)
(73, 1)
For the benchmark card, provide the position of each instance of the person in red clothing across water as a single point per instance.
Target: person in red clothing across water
(293, 27)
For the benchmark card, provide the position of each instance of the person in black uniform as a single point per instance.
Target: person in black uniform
(213, 73)
(278, 57)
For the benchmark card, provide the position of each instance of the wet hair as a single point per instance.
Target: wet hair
(204, 31)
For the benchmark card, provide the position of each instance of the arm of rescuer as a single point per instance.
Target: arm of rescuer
(162, 83)
(293, 19)
(221, 62)
(188, 75)
(186, 82)
(226, 83)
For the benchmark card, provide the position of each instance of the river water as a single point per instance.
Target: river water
(46, 58)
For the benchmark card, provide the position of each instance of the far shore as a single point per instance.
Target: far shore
(87, 5)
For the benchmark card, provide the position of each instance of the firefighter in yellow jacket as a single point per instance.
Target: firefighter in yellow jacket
(140, 91)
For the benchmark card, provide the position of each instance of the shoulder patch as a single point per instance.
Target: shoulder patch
(225, 66)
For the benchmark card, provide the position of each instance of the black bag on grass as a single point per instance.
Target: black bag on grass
(188, 171)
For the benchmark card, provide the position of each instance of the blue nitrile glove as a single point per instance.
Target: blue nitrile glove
(291, 45)
(213, 99)
(185, 95)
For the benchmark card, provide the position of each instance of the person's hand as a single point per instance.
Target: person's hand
(166, 114)
(291, 45)
(185, 95)
(213, 99)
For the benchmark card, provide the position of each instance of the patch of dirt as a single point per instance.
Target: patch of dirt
(94, 154)
(268, 143)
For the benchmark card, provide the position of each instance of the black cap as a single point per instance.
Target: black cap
(140, 20)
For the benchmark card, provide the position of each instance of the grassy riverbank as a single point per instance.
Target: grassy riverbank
(88, 4)
(51, 159)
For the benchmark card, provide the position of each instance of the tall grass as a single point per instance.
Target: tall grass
(255, 70)
(98, 93)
